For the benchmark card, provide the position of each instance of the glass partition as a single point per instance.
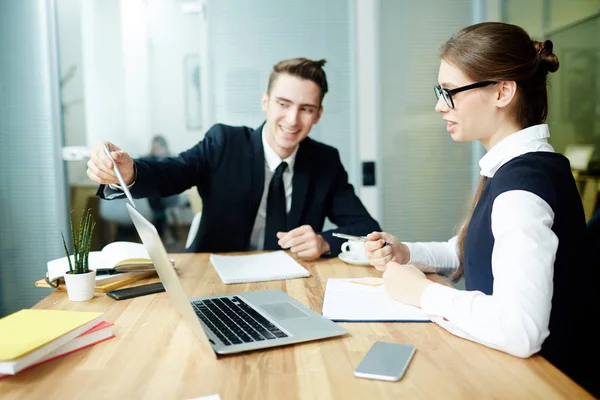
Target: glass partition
(574, 115)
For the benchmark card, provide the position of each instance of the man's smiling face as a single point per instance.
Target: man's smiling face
(293, 106)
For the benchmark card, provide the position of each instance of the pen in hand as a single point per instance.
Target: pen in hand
(352, 237)
(119, 176)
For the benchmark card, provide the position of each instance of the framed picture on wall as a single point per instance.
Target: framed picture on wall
(193, 106)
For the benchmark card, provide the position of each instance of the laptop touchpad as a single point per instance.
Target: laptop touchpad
(283, 311)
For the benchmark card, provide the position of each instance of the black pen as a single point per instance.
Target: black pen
(352, 237)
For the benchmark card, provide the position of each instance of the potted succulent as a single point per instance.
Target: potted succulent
(80, 280)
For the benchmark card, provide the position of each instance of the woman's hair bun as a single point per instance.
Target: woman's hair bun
(546, 58)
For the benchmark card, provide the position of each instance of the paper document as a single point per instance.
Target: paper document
(257, 267)
(346, 300)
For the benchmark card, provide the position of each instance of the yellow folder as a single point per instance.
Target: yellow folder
(27, 330)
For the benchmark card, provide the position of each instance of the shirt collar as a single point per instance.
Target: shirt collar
(272, 159)
(534, 138)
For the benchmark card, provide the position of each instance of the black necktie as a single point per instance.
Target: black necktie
(276, 210)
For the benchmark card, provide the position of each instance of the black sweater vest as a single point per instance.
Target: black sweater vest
(549, 176)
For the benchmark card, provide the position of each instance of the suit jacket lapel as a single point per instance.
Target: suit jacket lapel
(302, 170)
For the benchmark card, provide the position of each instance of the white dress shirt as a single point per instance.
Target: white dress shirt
(272, 161)
(515, 317)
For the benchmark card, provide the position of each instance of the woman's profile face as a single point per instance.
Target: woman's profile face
(474, 113)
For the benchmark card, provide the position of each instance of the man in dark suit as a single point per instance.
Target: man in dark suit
(268, 188)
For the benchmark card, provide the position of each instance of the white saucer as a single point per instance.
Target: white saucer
(352, 259)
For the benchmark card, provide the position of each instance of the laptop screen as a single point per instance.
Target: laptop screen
(167, 273)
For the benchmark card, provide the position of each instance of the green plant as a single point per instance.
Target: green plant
(82, 241)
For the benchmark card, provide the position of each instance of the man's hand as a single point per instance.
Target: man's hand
(100, 168)
(304, 242)
(405, 283)
(380, 255)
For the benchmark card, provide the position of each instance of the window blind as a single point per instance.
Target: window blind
(33, 199)
(426, 176)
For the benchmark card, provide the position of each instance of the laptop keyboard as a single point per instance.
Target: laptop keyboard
(233, 321)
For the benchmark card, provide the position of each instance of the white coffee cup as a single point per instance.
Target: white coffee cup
(355, 248)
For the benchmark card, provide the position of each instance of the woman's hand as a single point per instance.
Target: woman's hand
(380, 255)
(405, 283)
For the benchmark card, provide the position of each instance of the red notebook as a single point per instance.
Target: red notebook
(97, 334)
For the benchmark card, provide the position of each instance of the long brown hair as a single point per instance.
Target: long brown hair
(462, 233)
(495, 51)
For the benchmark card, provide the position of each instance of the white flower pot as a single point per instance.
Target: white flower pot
(80, 287)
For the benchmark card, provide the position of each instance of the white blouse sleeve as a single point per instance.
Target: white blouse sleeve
(436, 257)
(515, 317)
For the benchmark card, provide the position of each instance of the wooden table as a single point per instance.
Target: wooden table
(155, 356)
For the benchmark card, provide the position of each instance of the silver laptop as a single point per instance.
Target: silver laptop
(235, 322)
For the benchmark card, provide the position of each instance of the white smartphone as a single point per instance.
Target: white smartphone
(385, 361)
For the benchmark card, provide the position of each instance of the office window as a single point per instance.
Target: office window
(574, 113)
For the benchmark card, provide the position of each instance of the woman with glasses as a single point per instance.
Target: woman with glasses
(520, 248)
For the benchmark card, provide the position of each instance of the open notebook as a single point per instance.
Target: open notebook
(257, 267)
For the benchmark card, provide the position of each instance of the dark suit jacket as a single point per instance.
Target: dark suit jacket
(228, 168)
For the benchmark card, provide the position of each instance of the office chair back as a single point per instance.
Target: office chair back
(115, 211)
(193, 229)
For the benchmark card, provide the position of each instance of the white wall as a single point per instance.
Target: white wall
(104, 81)
(367, 98)
(134, 45)
(128, 82)
(173, 35)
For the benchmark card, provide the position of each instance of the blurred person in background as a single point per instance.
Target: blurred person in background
(159, 150)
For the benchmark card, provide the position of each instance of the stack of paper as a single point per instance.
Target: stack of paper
(349, 300)
(31, 337)
(257, 267)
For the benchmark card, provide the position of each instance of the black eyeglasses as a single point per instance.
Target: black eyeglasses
(447, 93)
